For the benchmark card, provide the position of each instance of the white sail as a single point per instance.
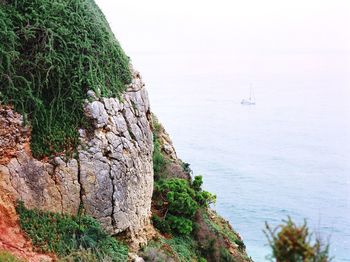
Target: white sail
(251, 99)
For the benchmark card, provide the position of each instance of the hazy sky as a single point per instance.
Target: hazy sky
(308, 37)
(236, 26)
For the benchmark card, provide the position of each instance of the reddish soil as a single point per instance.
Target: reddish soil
(13, 136)
(12, 238)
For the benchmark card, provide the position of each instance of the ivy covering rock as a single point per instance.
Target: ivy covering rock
(51, 53)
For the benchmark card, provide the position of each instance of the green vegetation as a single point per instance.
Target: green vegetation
(225, 256)
(70, 237)
(159, 161)
(181, 247)
(51, 53)
(293, 243)
(178, 201)
(220, 226)
(7, 257)
(191, 231)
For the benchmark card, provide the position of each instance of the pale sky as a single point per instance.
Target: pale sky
(244, 26)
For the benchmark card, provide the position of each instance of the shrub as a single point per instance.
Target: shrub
(292, 243)
(197, 183)
(203, 198)
(178, 195)
(176, 200)
(51, 53)
(69, 236)
(180, 225)
(179, 200)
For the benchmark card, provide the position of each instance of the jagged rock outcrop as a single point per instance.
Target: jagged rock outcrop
(111, 176)
(167, 145)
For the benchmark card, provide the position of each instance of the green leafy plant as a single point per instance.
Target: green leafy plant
(197, 183)
(203, 198)
(179, 200)
(69, 236)
(180, 225)
(176, 200)
(178, 196)
(51, 53)
(293, 243)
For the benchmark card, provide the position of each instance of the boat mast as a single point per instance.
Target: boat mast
(250, 93)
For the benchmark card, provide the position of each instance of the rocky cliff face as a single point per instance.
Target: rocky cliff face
(110, 177)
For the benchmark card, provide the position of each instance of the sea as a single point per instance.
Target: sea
(288, 155)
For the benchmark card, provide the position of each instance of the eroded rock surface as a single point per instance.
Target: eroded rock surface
(112, 175)
(116, 168)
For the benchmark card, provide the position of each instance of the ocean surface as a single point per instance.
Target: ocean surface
(289, 155)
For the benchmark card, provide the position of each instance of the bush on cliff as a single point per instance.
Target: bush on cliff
(51, 53)
(178, 200)
(72, 237)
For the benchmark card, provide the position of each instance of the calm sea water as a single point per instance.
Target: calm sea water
(287, 155)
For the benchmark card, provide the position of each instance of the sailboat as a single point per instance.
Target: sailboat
(251, 99)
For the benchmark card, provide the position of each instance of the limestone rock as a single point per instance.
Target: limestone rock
(112, 175)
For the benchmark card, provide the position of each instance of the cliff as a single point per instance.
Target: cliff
(111, 177)
(81, 151)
